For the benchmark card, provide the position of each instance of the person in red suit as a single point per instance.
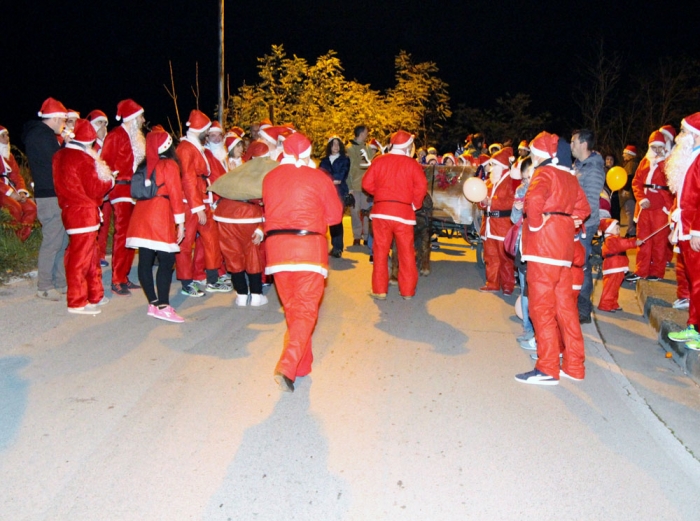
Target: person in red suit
(496, 223)
(99, 122)
(124, 149)
(195, 171)
(14, 195)
(654, 201)
(683, 175)
(158, 225)
(300, 203)
(555, 205)
(577, 265)
(398, 185)
(615, 263)
(81, 180)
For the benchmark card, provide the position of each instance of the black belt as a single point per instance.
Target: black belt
(557, 213)
(621, 254)
(498, 213)
(656, 187)
(300, 233)
(122, 182)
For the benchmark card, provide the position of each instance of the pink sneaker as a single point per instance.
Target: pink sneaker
(168, 313)
(151, 310)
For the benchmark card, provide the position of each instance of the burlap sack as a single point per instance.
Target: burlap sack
(244, 182)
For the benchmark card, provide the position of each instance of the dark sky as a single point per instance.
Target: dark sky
(92, 54)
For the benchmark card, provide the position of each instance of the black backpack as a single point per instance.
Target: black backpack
(143, 188)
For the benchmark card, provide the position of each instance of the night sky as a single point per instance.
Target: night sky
(92, 54)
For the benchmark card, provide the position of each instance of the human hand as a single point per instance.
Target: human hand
(17, 197)
(518, 205)
(638, 242)
(695, 243)
(257, 236)
(644, 204)
(202, 217)
(180, 232)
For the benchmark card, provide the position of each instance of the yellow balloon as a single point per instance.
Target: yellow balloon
(616, 178)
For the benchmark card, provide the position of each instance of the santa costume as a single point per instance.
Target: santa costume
(98, 118)
(496, 223)
(81, 180)
(398, 185)
(300, 204)
(124, 149)
(23, 212)
(650, 188)
(554, 205)
(615, 263)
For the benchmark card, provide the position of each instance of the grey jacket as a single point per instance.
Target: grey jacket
(591, 177)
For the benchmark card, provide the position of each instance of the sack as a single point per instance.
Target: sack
(143, 188)
(349, 201)
(244, 182)
(511, 240)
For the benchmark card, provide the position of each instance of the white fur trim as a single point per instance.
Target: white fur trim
(392, 218)
(132, 116)
(690, 128)
(228, 220)
(620, 269)
(165, 146)
(315, 268)
(198, 209)
(86, 229)
(179, 218)
(536, 229)
(122, 200)
(138, 242)
(547, 260)
(576, 287)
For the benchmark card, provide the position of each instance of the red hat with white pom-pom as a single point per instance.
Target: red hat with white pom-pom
(606, 226)
(656, 139)
(692, 123)
(545, 145)
(84, 132)
(128, 109)
(298, 146)
(401, 139)
(198, 121)
(52, 108)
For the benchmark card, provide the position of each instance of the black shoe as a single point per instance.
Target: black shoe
(371, 259)
(121, 289)
(365, 242)
(284, 383)
(356, 242)
(631, 276)
(652, 278)
(336, 253)
(131, 285)
(583, 319)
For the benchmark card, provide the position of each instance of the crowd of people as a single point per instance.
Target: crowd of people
(541, 213)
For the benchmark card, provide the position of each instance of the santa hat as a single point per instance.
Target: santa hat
(157, 143)
(606, 226)
(52, 108)
(523, 145)
(297, 146)
(232, 140)
(669, 132)
(401, 140)
(430, 157)
(285, 133)
(657, 139)
(216, 127)
(692, 124)
(483, 159)
(128, 109)
(256, 149)
(494, 147)
(72, 114)
(630, 150)
(96, 116)
(502, 157)
(270, 133)
(3, 130)
(545, 145)
(238, 131)
(199, 121)
(373, 143)
(84, 132)
(449, 155)
(266, 122)
(158, 128)
(604, 203)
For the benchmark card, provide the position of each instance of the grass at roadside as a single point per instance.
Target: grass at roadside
(16, 257)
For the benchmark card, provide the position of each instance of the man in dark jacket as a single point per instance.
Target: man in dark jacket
(41, 143)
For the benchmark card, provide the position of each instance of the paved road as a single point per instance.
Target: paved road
(411, 412)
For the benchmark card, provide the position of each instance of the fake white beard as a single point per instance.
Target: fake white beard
(103, 171)
(219, 150)
(138, 141)
(679, 161)
(495, 174)
(653, 158)
(5, 150)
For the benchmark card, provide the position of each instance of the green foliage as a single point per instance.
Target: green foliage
(16, 257)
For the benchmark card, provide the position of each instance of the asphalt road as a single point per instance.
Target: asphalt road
(411, 412)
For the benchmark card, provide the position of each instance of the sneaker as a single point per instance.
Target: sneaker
(356, 242)
(168, 314)
(536, 377)
(191, 290)
(241, 300)
(435, 246)
(257, 299)
(584, 319)
(132, 285)
(102, 302)
(85, 310)
(529, 345)
(681, 303)
(631, 276)
(152, 308)
(371, 259)
(284, 383)
(103, 263)
(378, 296)
(652, 278)
(121, 289)
(336, 253)
(407, 297)
(62, 290)
(49, 294)
(225, 277)
(393, 282)
(226, 281)
(563, 374)
(688, 334)
(507, 292)
(693, 344)
(218, 287)
(488, 289)
(525, 337)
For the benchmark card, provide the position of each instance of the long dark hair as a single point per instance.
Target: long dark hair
(329, 147)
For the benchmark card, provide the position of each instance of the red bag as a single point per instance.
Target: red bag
(511, 239)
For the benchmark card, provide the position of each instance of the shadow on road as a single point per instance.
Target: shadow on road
(14, 391)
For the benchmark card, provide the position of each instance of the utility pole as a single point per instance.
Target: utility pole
(221, 64)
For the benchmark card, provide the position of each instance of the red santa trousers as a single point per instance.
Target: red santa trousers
(24, 215)
(122, 257)
(385, 230)
(209, 234)
(692, 269)
(198, 268)
(554, 315)
(611, 291)
(238, 249)
(652, 254)
(300, 293)
(499, 266)
(682, 282)
(103, 234)
(83, 272)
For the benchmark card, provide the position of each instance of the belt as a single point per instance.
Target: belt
(498, 213)
(122, 182)
(656, 187)
(621, 254)
(557, 213)
(300, 233)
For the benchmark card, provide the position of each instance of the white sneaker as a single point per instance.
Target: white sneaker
(258, 299)
(241, 300)
(90, 309)
(102, 302)
(681, 303)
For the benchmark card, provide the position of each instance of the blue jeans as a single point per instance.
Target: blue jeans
(527, 323)
(584, 299)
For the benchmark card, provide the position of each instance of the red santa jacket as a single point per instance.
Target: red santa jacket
(119, 156)
(687, 213)
(614, 254)
(216, 168)
(81, 181)
(556, 193)
(502, 196)
(299, 198)
(646, 185)
(577, 264)
(195, 174)
(398, 185)
(11, 179)
(229, 211)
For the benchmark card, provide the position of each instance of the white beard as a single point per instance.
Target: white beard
(5, 150)
(495, 174)
(679, 161)
(219, 151)
(103, 171)
(138, 142)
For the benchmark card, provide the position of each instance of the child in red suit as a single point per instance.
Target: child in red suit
(615, 263)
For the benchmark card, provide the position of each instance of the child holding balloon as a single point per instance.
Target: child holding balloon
(615, 263)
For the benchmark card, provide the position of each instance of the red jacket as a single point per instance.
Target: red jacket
(119, 155)
(398, 185)
(614, 257)
(555, 192)
(195, 175)
(299, 198)
(502, 198)
(79, 189)
(10, 177)
(216, 168)
(687, 213)
(648, 174)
